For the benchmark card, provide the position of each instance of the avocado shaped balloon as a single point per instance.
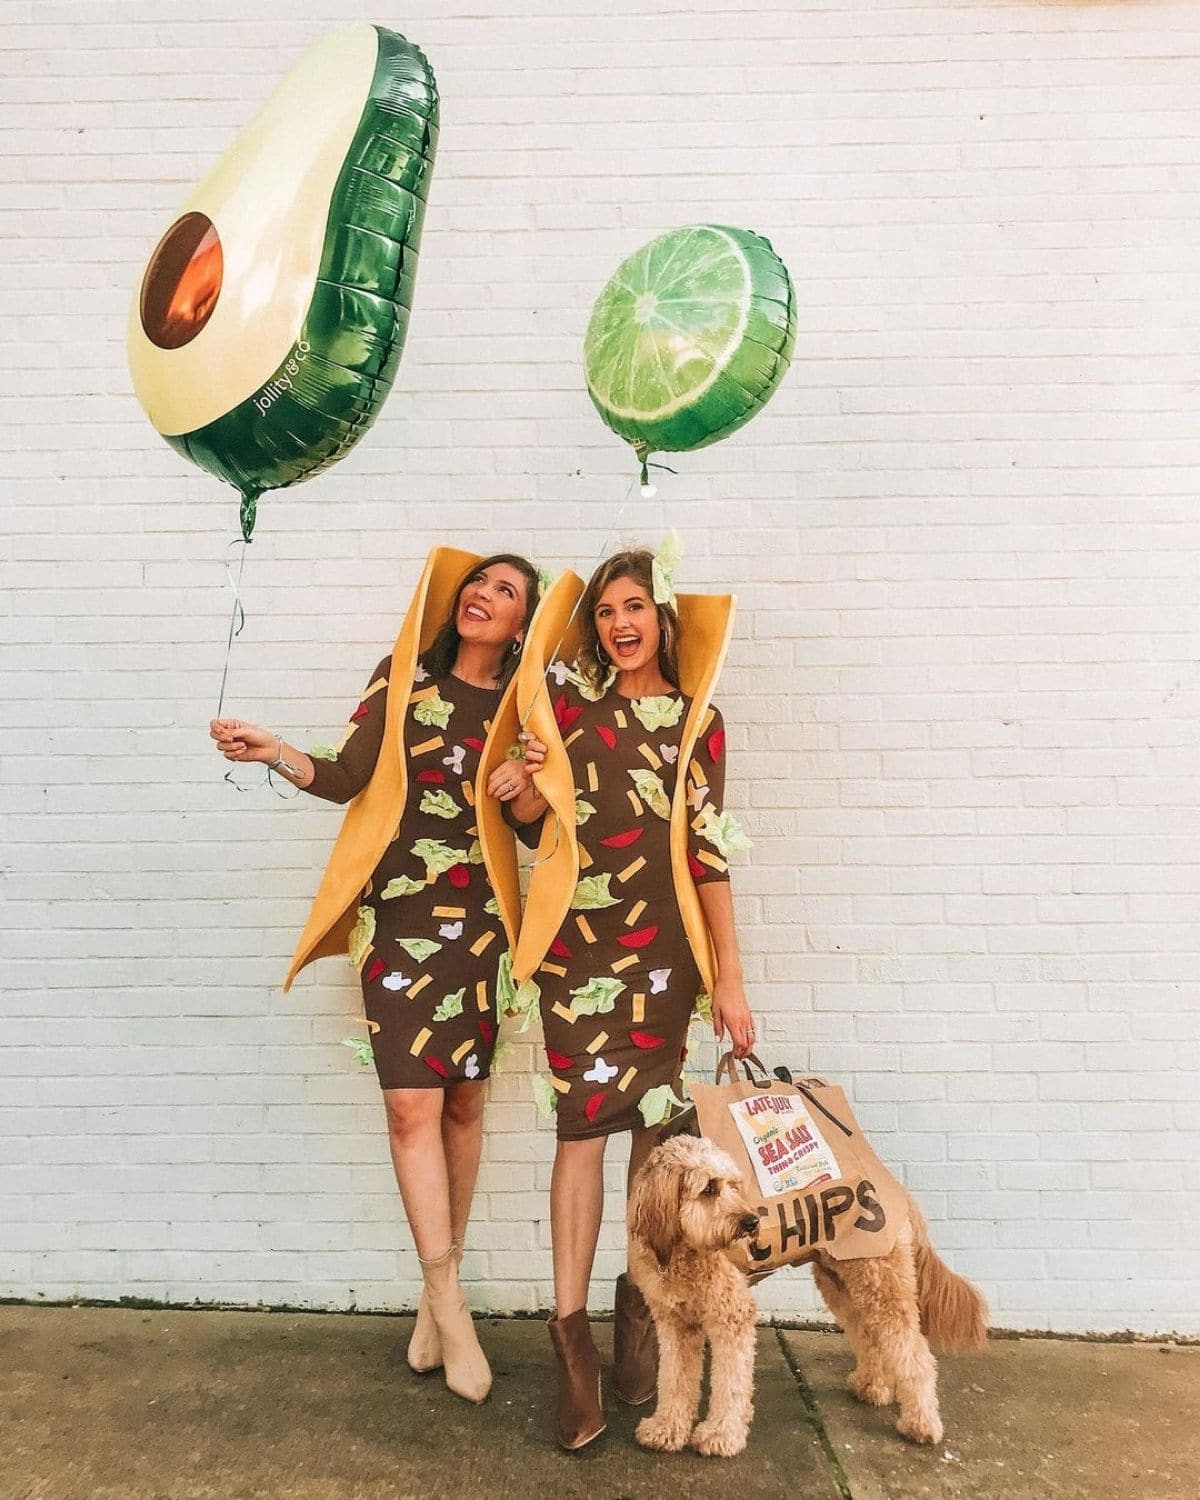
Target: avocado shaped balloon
(690, 338)
(272, 315)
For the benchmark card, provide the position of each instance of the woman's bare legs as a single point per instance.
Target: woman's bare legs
(414, 1119)
(462, 1142)
(576, 1208)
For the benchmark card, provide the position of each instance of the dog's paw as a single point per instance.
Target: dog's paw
(663, 1434)
(718, 1440)
(921, 1429)
(872, 1389)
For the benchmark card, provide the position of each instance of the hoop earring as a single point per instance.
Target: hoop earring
(602, 656)
(516, 647)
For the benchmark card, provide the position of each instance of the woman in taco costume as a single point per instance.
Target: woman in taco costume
(421, 893)
(628, 922)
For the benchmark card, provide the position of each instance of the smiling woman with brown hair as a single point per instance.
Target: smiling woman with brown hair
(635, 775)
(416, 890)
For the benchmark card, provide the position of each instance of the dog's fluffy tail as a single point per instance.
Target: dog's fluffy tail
(953, 1312)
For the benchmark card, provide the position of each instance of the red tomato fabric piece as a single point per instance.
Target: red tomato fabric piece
(438, 1067)
(375, 970)
(592, 1108)
(360, 712)
(560, 949)
(646, 1040)
(564, 714)
(638, 939)
(487, 1031)
(472, 743)
(716, 743)
(623, 840)
(459, 877)
(609, 736)
(696, 868)
(558, 1061)
(435, 776)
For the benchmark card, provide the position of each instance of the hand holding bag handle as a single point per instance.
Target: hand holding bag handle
(727, 1070)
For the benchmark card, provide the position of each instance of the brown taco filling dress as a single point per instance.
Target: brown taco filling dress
(429, 934)
(619, 982)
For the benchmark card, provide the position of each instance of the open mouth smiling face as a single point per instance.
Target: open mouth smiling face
(626, 621)
(491, 607)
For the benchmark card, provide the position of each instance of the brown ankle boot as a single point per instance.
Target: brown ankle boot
(580, 1414)
(635, 1345)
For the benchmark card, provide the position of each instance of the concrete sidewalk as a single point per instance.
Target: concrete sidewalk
(112, 1404)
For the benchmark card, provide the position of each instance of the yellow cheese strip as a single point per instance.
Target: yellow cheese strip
(450, 911)
(482, 999)
(697, 773)
(468, 792)
(639, 1009)
(351, 731)
(460, 1052)
(549, 968)
(708, 718)
(628, 1077)
(647, 754)
(380, 682)
(481, 944)
(627, 962)
(426, 746)
(420, 1041)
(560, 1085)
(712, 860)
(487, 727)
(634, 803)
(585, 928)
(585, 859)
(564, 1013)
(597, 1042)
(372, 1026)
(593, 780)
(631, 870)
(632, 919)
(621, 721)
(415, 989)
(571, 738)
(422, 694)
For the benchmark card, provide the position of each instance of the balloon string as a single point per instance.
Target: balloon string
(237, 623)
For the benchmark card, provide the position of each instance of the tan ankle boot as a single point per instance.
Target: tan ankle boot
(465, 1364)
(635, 1346)
(424, 1345)
(580, 1414)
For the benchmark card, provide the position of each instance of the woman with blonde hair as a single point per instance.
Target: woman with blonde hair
(629, 921)
(421, 892)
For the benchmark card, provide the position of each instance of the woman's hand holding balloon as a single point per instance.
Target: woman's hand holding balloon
(238, 741)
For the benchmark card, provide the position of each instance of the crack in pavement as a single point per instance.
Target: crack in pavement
(812, 1414)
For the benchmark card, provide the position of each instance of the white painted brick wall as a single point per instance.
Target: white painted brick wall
(963, 697)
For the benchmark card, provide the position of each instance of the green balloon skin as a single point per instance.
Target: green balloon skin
(344, 361)
(749, 380)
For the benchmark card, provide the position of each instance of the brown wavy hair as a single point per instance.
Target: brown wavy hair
(442, 653)
(635, 563)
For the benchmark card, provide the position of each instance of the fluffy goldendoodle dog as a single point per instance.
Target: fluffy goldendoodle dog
(687, 1208)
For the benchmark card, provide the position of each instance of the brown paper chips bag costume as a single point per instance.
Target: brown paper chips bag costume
(805, 1164)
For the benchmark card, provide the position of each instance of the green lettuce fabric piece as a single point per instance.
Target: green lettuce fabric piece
(513, 999)
(492, 906)
(545, 580)
(585, 688)
(702, 1010)
(438, 857)
(434, 712)
(722, 831)
(502, 1055)
(597, 997)
(440, 804)
(322, 752)
(583, 809)
(652, 792)
(656, 1104)
(362, 935)
(657, 713)
(475, 854)
(592, 894)
(361, 1049)
(545, 1096)
(451, 1006)
(402, 885)
(419, 948)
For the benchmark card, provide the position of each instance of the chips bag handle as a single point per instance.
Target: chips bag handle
(727, 1069)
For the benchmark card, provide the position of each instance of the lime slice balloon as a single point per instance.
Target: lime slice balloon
(690, 338)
